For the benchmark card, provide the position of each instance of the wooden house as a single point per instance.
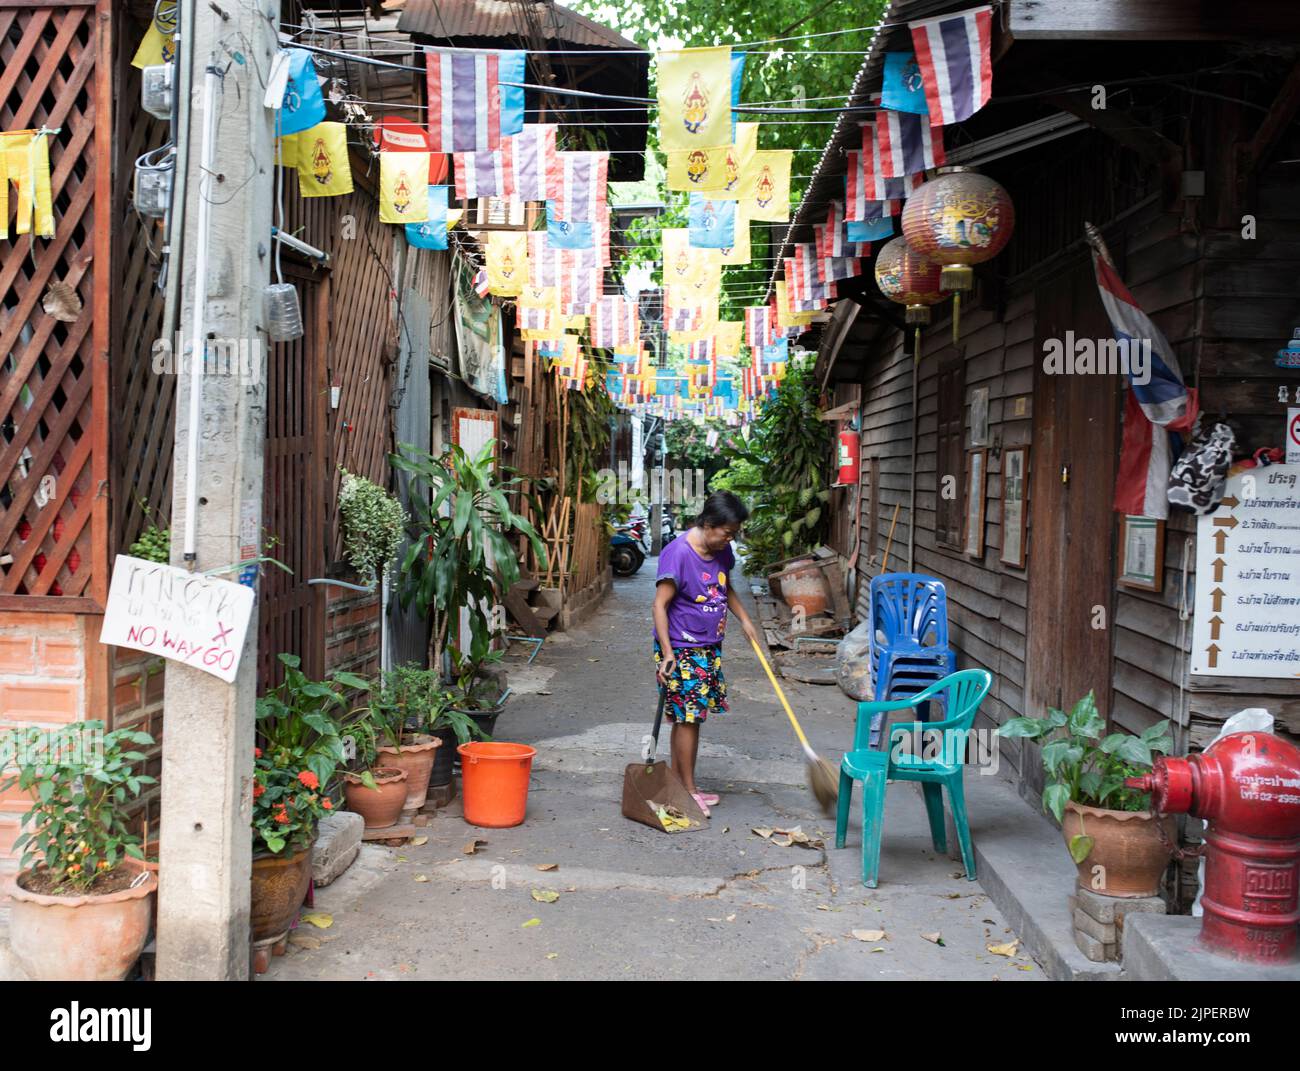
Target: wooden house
(1174, 130)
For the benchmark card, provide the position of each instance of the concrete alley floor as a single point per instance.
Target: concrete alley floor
(639, 904)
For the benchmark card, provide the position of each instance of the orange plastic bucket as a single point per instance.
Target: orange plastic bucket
(494, 779)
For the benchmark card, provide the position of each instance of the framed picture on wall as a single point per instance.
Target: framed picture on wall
(979, 417)
(1015, 517)
(973, 532)
(1142, 553)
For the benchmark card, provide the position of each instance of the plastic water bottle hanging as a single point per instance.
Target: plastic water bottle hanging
(281, 312)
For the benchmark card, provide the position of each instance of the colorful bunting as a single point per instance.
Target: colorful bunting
(906, 144)
(468, 111)
(304, 105)
(507, 262)
(479, 174)
(403, 187)
(712, 223)
(766, 195)
(582, 193)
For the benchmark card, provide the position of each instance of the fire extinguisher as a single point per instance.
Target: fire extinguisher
(849, 448)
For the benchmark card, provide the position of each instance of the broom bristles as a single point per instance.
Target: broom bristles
(824, 782)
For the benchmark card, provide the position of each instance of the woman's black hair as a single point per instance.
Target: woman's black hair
(721, 509)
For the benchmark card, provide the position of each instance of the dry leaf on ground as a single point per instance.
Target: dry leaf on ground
(472, 846)
(935, 938)
(417, 841)
(322, 920)
(545, 867)
(545, 896)
(421, 877)
(531, 922)
(1008, 949)
(868, 935)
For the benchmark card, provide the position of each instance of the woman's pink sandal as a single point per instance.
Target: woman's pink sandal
(699, 799)
(711, 798)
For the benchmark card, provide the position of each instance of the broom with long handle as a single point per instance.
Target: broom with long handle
(823, 779)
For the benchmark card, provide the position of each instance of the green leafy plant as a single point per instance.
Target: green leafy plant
(301, 716)
(373, 525)
(1086, 765)
(782, 471)
(154, 545)
(288, 802)
(471, 690)
(80, 780)
(460, 507)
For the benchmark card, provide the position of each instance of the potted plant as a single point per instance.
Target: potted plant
(288, 804)
(301, 748)
(460, 557)
(83, 900)
(373, 524)
(376, 792)
(475, 694)
(397, 711)
(1118, 845)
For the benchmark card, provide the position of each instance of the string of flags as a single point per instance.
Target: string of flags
(475, 143)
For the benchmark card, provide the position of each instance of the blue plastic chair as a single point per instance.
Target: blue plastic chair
(961, 694)
(909, 626)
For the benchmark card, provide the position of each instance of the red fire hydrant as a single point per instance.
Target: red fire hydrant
(1247, 786)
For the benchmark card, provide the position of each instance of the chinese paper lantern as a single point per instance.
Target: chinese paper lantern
(905, 276)
(957, 219)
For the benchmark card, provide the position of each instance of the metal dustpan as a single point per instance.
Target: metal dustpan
(654, 795)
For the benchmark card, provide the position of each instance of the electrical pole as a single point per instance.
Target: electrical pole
(220, 244)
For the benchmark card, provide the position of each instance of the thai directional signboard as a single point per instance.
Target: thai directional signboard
(1247, 620)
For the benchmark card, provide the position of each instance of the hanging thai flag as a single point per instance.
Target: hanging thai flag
(479, 174)
(906, 144)
(869, 197)
(614, 323)
(700, 352)
(531, 164)
(532, 318)
(468, 110)
(685, 318)
(1154, 409)
(579, 288)
(759, 326)
(481, 284)
(583, 188)
(833, 269)
(955, 56)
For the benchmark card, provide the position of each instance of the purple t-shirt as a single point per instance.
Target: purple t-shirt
(698, 613)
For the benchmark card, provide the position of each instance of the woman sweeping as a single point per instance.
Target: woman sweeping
(690, 618)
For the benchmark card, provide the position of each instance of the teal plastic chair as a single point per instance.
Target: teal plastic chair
(910, 756)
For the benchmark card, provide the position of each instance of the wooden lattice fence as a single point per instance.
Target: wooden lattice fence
(55, 79)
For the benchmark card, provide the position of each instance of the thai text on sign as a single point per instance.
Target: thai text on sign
(187, 617)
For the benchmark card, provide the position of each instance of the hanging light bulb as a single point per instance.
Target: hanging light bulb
(908, 278)
(957, 219)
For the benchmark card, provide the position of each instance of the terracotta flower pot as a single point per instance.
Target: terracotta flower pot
(280, 883)
(381, 806)
(84, 938)
(415, 755)
(805, 586)
(1127, 857)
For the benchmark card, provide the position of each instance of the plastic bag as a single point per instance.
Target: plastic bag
(853, 663)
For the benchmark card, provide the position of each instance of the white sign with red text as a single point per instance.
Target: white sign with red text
(188, 617)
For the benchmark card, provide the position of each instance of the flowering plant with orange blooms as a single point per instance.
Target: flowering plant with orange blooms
(287, 801)
(80, 780)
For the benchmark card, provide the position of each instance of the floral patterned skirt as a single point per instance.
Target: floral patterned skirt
(697, 687)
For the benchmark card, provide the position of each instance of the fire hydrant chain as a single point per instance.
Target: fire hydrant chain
(1189, 852)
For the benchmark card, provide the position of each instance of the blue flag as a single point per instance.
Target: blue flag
(625, 358)
(737, 76)
(304, 105)
(511, 68)
(869, 230)
(614, 382)
(901, 89)
(561, 234)
(712, 223)
(433, 233)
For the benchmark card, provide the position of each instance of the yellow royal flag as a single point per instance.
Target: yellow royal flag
(694, 99)
(574, 323)
(681, 338)
(719, 172)
(785, 315)
(322, 161)
(766, 193)
(540, 297)
(688, 266)
(706, 308)
(157, 47)
(286, 150)
(507, 258)
(729, 336)
(403, 187)
(26, 160)
(740, 252)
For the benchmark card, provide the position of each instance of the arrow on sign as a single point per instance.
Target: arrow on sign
(1213, 652)
(1230, 502)
(1219, 563)
(1217, 595)
(1215, 622)
(1220, 541)
(1226, 522)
